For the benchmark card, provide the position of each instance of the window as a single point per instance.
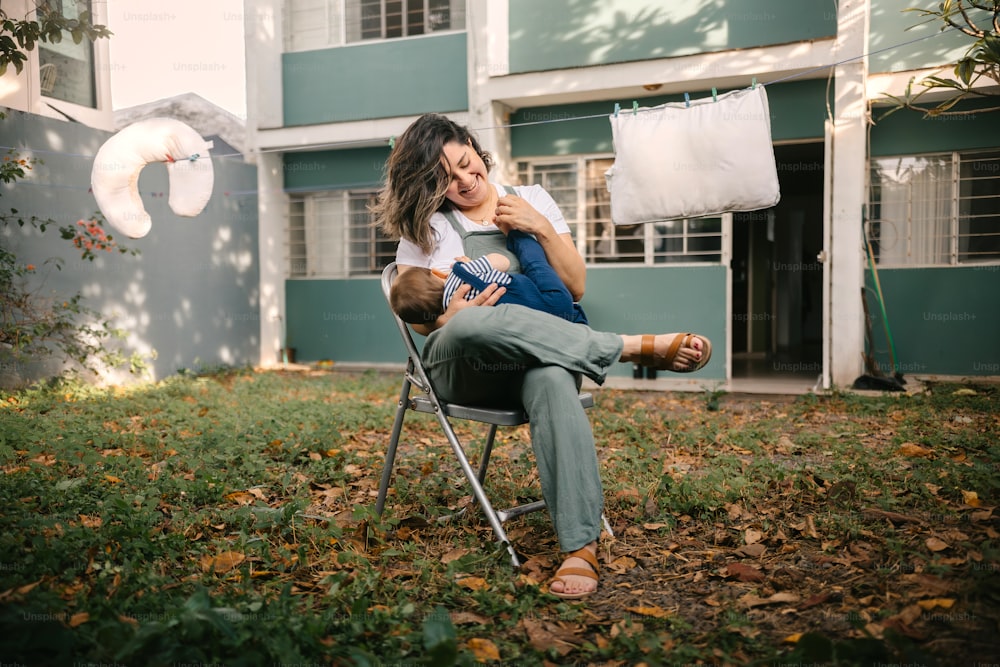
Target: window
(580, 189)
(330, 236)
(66, 68)
(935, 210)
(315, 24)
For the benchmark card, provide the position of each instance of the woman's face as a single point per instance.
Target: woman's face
(469, 184)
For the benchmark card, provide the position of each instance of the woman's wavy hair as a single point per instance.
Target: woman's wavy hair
(416, 179)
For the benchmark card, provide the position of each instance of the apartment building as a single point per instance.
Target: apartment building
(907, 206)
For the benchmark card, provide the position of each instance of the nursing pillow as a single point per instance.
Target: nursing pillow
(114, 178)
(692, 159)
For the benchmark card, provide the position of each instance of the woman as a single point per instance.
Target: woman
(438, 201)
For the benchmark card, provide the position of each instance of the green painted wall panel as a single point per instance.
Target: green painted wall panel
(892, 29)
(908, 132)
(391, 78)
(556, 34)
(343, 320)
(797, 112)
(641, 300)
(323, 170)
(944, 321)
(348, 320)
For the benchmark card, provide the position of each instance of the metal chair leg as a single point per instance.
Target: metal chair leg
(477, 490)
(390, 454)
(487, 450)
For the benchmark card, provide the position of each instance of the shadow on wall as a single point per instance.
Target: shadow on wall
(594, 32)
(191, 295)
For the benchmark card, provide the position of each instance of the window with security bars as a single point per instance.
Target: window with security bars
(940, 209)
(316, 24)
(330, 235)
(580, 189)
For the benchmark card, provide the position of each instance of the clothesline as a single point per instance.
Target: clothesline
(390, 140)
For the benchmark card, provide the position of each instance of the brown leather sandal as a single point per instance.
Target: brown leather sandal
(592, 573)
(666, 362)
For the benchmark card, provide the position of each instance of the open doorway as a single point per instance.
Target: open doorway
(777, 290)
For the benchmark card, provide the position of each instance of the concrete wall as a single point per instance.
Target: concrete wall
(556, 35)
(192, 293)
(381, 80)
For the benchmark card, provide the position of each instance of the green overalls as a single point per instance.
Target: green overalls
(513, 355)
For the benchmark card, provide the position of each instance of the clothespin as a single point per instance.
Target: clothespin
(687, 100)
(618, 108)
(194, 157)
(392, 142)
(753, 84)
(635, 108)
(715, 94)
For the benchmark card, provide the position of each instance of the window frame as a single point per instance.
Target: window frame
(51, 53)
(304, 242)
(579, 224)
(953, 239)
(337, 15)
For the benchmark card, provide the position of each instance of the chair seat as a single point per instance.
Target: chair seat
(498, 416)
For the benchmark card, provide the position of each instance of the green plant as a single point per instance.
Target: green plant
(980, 21)
(33, 324)
(19, 36)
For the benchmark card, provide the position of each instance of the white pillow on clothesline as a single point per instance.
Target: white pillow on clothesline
(693, 159)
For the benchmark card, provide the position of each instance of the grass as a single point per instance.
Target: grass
(227, 519)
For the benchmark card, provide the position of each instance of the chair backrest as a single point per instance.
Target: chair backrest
(389, 274)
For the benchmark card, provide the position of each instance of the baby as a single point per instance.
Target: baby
(420, 296)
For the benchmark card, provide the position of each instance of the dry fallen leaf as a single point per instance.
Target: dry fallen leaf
(240, 497)
(751, 600)
(653, 610)
(473, 583)
(483, 650)
(548, 636)
(971, 498)
(222, 562)
(454, 555)
(944, 603)
(936, 544)
(621, 565)
(755, 550)
(915, 451)
(468, 618)
(744, 572)
(78, 619)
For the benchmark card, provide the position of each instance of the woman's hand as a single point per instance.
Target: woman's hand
(488, 297)
(516, 213)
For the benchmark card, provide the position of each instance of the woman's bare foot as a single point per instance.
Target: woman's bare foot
(690, 351)
(567, 584)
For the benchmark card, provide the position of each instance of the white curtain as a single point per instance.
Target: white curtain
(326, 245)
(916, 210)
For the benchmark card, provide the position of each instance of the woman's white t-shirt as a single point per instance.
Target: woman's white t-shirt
(448, 243)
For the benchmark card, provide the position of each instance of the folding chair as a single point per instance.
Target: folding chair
(416, 377)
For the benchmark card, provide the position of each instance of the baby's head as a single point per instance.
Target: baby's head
(416, 296)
